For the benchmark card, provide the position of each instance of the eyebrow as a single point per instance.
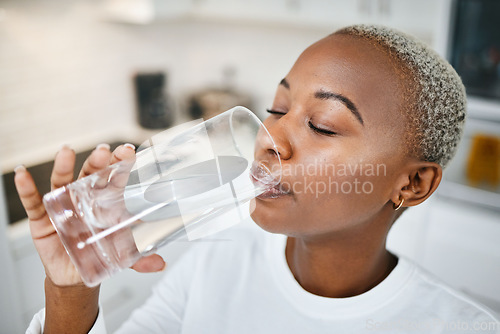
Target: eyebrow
(324, 95)
(285, 83)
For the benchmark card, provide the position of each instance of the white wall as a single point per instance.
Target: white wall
(65, 76)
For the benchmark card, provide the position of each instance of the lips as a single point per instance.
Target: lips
(274, 192)
(262, 176)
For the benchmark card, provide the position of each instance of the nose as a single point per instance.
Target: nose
(278, 131)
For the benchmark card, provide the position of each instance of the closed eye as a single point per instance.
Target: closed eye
(275, 112)
(321, 131)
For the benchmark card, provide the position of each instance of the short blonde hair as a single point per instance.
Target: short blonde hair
(436, 107)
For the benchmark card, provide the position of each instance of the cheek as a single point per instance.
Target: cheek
(341, 192)
(333, 189)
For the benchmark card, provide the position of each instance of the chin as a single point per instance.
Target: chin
(269, 220)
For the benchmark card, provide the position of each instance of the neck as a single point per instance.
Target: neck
(343, 264)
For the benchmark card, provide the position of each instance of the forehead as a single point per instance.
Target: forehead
(354, 67)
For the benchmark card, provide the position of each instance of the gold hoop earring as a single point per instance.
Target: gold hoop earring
(396, 208)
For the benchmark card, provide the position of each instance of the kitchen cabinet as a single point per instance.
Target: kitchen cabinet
(416, 17)
(10, 305)
(462, 248)
(413, 16)
(456, 241)
(28, 271)
(120, 294)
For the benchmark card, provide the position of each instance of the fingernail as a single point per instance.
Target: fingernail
(63, 146)
(164, 267)
(19, 169)
(130, 146)
(103, 146)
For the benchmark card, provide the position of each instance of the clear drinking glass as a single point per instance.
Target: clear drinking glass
(186, 182)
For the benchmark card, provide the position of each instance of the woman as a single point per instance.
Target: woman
(378, 116)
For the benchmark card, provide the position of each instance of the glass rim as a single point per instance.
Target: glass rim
(261, 124)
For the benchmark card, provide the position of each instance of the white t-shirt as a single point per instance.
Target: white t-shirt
(239, 282)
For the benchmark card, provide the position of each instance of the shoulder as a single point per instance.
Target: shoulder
(448, 304)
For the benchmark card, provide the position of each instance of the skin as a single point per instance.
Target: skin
(336, 244)
(71, 307)
(336, 241)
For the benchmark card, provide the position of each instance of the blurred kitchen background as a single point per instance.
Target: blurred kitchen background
(84, 72)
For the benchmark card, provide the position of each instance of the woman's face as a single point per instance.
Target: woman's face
(337, 124)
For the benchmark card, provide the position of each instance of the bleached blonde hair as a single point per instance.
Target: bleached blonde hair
(436, 99)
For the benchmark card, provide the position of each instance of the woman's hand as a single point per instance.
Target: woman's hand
(57, 264)
(70, 306)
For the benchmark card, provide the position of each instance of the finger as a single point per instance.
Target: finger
(123, 152)
(97, 160)
(32, 202)
(64, 165)
(150, 264)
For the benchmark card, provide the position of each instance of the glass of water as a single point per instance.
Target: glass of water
(184, 183)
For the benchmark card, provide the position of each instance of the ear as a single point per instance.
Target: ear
(419, 182)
